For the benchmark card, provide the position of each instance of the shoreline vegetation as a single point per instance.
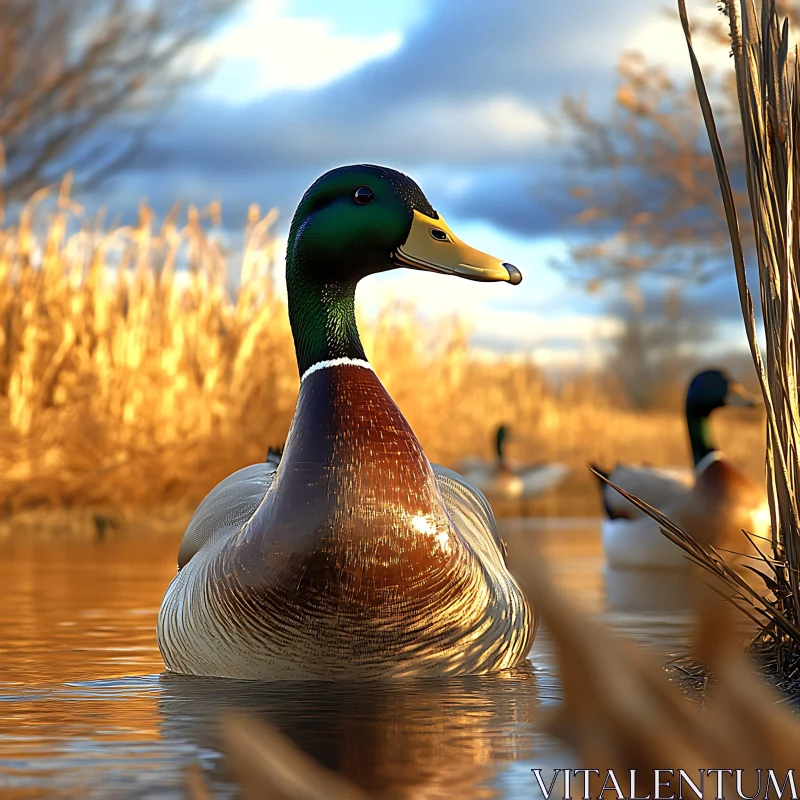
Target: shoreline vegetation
(768, 82)
(139, 371)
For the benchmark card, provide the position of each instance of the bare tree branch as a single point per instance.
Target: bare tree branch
(644, 183)
(67, 68)
(644, 177)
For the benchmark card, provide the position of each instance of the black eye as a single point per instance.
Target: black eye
(440, 236)
(364, 195)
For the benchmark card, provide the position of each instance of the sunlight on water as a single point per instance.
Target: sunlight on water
(85, 710)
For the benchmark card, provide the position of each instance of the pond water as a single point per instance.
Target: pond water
(85, 710)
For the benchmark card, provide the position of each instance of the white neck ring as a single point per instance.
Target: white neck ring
(707, 460)
(336, 362)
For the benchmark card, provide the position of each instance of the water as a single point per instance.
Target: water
(86, 712)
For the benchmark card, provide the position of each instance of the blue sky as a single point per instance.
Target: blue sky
(454, 92)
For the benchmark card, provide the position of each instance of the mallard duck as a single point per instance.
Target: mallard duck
(714, 501)
(500, 479)
(353, 556)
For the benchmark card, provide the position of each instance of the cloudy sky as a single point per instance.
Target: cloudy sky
(453, 92)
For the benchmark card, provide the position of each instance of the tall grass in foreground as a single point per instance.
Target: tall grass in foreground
(138, 372)
(768, 81)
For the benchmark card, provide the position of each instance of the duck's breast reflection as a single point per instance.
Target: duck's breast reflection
(441, 737)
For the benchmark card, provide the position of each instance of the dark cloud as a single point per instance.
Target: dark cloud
(511, 199)
(463, 95)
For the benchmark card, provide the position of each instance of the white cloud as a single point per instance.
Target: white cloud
(267, 50)
(661, 40)
(499, 124)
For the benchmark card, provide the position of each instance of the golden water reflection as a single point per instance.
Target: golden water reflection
(84, 710)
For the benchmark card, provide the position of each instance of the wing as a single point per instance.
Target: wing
(540, 478)
(475, 462)
(471, 513)
(657, 487)
(226, 508)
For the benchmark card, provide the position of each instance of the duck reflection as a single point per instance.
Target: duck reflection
(400, 739)
(649, 591)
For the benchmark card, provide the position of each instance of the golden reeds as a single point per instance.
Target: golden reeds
(768, 80)
(121, 345)
(137, 371)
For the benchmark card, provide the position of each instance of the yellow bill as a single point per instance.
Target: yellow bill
(432, 246)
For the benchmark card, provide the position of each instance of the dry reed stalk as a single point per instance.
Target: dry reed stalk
(195, 783)
(268, 764)
(621, 713)
(768, 80)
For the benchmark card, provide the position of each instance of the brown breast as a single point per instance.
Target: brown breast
(504, 483)
(354, 518)
(722, 502)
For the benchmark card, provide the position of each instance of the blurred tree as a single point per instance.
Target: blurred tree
(646, 186)
(647, 197)
(68, 67)
(644, 179)
(654, 353)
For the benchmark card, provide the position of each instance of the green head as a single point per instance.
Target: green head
(708, 391)
(714, 388)
(356, 221)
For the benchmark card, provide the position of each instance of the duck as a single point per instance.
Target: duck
(713, 501)
(349, 556)
(499, 479)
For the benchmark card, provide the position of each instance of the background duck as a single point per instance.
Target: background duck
(350, 556)
(714, 501)
(501, 479)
